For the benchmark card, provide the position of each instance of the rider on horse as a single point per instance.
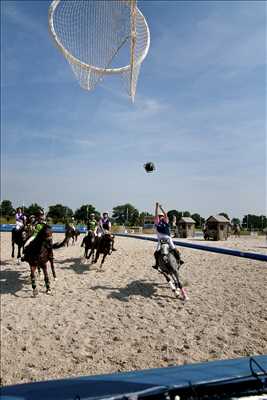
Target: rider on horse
(163, 232)
(104, 227)
(71, 224)
(20, 219)
(38, 224)
(92, 224)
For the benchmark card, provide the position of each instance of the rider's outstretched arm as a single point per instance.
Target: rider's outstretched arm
(165, 214)
(156, 213)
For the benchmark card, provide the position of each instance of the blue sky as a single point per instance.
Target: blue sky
(199, 114)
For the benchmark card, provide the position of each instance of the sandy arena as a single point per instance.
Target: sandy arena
(126, 317)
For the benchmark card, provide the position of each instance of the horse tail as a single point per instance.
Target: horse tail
(58, 245)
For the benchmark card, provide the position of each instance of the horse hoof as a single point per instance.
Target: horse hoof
(18, 261)
(48, 291)
(184, 295)
(55, 278)
(35, 292)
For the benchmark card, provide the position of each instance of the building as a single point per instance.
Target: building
(149, 222)
(185, 227)
(216, 228)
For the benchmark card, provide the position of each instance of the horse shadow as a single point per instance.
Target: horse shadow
(11, 282)
(136, 288)
(75, 264)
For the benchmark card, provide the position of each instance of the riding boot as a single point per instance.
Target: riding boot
(156, 255)
(176, 254)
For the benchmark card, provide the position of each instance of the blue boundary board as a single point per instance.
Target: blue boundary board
(221, 250)
(133, 384)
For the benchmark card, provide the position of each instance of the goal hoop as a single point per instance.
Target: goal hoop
(90, 34)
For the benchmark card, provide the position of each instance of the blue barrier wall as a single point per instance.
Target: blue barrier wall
(221, 250)
(55, 228)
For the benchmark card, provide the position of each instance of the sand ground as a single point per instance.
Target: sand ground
(126, 317)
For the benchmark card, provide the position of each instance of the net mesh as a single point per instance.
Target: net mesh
(94, 36)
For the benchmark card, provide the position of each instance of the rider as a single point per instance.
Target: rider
(20, 219)
(104, 227)
(38, 224)
(92, 224)
(70, 225)
(163, 232)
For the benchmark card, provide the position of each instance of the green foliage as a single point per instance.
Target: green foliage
(224, 215)
(186, 214)
(174, 213)
(198, 219)
(125, 214)
(82, 213)
(60, 213)
(32, 209)
(235, 221)
(6, 208)
(251, 222)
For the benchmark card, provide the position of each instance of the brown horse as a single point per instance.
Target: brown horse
(71, 234)
(89, 244)
(104, 245)
(19, 237)
(38, 253)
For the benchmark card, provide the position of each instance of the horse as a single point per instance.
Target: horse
(71, 233)
(19, 237)
(89, 244)
(38, 253)
(103, 245)
(168, 266)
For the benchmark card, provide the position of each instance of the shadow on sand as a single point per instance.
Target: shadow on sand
(12, 281)
(76, 265)
(135, 288)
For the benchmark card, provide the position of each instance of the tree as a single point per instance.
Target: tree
(251, 221)
(174, 213)
(199, 220)
(32, 209)
(125, 214)
(186, 214)
(82, 213)
(235, 221)
(59, 212)
(224, 215)
(6, 208)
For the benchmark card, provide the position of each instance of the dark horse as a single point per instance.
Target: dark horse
(71, 234)
(103, 245)
(19, 238)
(100, 245)
(38, 253)
(89, 244)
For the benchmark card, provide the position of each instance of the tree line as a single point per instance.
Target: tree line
(125, 214)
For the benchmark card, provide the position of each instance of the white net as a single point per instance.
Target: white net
(94, 36)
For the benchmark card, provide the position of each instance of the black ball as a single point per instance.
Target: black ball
(149, 167)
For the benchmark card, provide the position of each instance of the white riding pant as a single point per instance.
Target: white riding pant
(31, 238)
(19, 225)
(162, 236)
